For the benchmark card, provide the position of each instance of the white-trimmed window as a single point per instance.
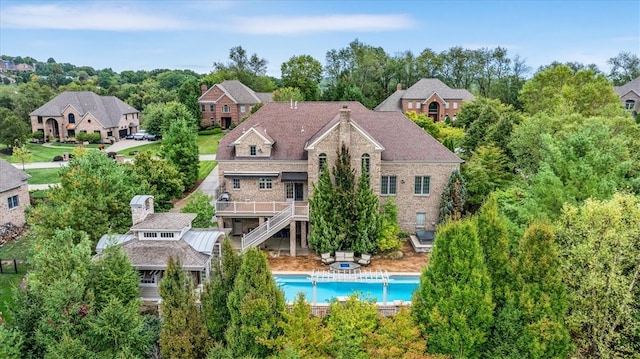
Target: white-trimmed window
(629, 104)
(366, 163)
(409, 105)
(243, 109)
(202, 107)
(290, 190)
(212, 107)
(150, 235)
(167, 234)
(236, 183)
(226, 109)
(422, 185)
(13, 201)
(418, 104)
(252, 150)
(322, 162)
(265, 183)
(388, 185)
(421, 220)
(446, 105)
(455, 105)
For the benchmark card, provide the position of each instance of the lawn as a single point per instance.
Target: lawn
(208, 144)
(43, 175)
(8, 279)
(154, 147)
(205, 168)
(39, 153)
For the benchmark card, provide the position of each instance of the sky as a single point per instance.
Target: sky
(169, 34)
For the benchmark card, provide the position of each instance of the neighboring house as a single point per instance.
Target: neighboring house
(630, 95)
(73, 112)
(228, 102)
(14, 194)
(429, 96)
(155, 237)
(269, 164)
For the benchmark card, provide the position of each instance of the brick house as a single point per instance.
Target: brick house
(155, 237)
(14, 194)
(228, 103)
(269, 164)
(429, 96)
(72, 112)
(630, 95)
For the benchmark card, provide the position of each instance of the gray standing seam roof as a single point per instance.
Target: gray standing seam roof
(11, 177)
(106, 109)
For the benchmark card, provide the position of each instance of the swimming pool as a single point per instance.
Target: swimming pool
(399, 288)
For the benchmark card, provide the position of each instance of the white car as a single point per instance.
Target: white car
(140, 135)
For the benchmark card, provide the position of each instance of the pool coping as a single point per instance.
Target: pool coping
(394, 274)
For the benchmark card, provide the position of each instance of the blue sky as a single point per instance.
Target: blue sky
(145, 35)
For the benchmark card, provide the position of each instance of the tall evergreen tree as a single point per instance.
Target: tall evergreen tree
(453, 197)
(453, 304)
(255, 305)
(542, 299)
(368, 225)
(322, 236)
(344, 199)
(389, 228)
(183, 333)
(180, 147)
(217, 290)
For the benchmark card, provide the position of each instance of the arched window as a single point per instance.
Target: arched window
(322, 162)
(629, 104)
(366, 163)
(72, 118)
(225, 109)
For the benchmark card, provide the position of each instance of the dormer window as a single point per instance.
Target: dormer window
(150, 235)
(252, 150)
(72, 118)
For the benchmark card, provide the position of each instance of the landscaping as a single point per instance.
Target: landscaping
(43, 175)
(205, 168)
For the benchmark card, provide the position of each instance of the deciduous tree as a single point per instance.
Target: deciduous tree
(305, 73)
(180, 147)
(161, 177)
(200, 204)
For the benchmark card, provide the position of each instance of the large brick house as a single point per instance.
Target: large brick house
(630, 95)
(14, 194)
(155, 237)
(72, 112)
(228, 102)
(269, 163)
(429, 96)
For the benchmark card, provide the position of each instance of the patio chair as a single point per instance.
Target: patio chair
(340, 257)
(365, 259)
(348, 257)
(327, 258)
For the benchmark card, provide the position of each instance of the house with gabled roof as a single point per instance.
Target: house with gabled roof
(72, 112)
(228, 102)
(430, 96)
(630, 95)
(14, 194)
(268, 166)
(155, 237)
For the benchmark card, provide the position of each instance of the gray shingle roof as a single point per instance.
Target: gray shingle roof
(423, 89)
(291, 129)
(11, 177)
(239, 92)
(633, 85)
(168, 221)
(152, 254)
(106, 109)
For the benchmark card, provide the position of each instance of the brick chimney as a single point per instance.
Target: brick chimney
(141, 207)
(398, 87)
(203, 89)
(345, 127)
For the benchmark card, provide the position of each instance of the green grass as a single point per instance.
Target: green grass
(17, 249)
(72, 146)
(154, 147)
(39, 153)
(205, 168)
(43, 175)
(208, 145)
(8, 282)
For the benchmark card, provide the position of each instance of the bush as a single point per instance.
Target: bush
(233, 125)
(212, 131)
(38, 135)
(89, 137)
(112, 155)
(57, 159)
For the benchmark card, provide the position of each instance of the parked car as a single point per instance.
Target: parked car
(152, 137)
(130, 136)
(140, 135)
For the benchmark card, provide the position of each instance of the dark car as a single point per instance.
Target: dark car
(152, 137)
(129, 136)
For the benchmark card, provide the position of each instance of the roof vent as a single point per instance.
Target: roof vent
(345, 106)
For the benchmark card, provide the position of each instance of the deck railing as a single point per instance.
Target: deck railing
(260, 208)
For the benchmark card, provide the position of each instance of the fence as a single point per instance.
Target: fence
(3, 265)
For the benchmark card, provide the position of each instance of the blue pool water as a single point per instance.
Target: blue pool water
(400, 288)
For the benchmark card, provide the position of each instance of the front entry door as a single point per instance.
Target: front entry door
(237, 227)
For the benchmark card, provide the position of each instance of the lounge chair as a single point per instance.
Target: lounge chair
(365, 259)
(348, 257)
(327, 258)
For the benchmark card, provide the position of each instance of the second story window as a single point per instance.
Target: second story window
(202, 107)
(39, 119)
(236, 183)
(422, 185)
(322, 162)
(242, 109)
(252, 150)
(72, 118)
(226, 109)
(629, 104)
(388, 185)
(265, 183)
(409, 105)
(13, 202)
(212, 107)
(366, 163)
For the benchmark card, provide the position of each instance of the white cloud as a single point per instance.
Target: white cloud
(289, 25)
(86, 16)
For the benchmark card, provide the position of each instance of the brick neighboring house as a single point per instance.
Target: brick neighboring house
(73, 112)
(429, 96)
(14, 194)
(630, 95)
(228, 103)
(155, 237)
(269, 164)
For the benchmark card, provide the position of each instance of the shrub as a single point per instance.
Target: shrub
(89, 137)
(57, 158)
(211, 131)
(38, 135)
(233, 125)
(112, 155)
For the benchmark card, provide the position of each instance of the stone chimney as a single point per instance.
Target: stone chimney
(203, 89)
(345, 127)
(398, 87)
(141, 207)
